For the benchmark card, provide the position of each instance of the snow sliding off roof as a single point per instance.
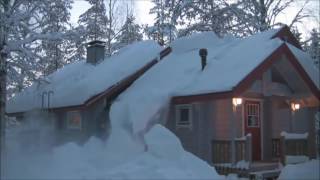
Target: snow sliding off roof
(229, 61)
(79, 81)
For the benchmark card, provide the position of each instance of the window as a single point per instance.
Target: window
(183, 116)
(74, 120)
(253, 115)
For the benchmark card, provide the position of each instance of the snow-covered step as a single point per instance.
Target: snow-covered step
(267, 174)
(263, 166)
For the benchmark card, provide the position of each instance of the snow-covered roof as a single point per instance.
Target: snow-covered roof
(229, 61)
(306, 62)
(79, 81)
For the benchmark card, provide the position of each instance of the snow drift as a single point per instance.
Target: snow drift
(308, 170)
(119, 158)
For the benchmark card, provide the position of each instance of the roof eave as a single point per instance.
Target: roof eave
(112, 91)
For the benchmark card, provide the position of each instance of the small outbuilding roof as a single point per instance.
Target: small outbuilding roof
(78, 82)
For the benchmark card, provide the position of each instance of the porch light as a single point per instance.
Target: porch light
(295, 106)
(236, 101)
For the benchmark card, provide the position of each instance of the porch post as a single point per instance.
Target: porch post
(233, 136)
(235, 102)
(292, 122)
(294, 107)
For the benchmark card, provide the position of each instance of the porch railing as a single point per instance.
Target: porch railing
(275, 148)
(221, 150)
(292, 146)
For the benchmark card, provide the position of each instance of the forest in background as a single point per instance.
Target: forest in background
(37, 37)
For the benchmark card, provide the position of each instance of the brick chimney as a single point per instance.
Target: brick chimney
(95, 51)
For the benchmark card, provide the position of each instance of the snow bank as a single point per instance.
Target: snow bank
(296, 159)
(308, 170)
(154, 140)
(164, 159)
(240, 164)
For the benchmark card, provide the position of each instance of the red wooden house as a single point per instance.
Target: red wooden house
(280, 93)
(231, 101)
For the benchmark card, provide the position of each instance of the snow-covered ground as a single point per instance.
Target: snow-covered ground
(308, 170)
(122, 157)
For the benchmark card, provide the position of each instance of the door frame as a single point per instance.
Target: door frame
(260, 101)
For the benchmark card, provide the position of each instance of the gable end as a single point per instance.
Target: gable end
(286, 35)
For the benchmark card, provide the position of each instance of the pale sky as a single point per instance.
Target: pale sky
(141, 10)
(142, 7)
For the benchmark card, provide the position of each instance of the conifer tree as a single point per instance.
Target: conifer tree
(129, 33)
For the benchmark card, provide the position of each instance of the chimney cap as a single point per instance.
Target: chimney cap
(95, 51)
(203, 52)
(96, 42)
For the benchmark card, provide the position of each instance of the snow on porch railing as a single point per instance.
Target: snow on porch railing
(293, 145)
(221, 150)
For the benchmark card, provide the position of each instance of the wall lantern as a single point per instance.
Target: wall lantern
(236, 101)
(295, 106)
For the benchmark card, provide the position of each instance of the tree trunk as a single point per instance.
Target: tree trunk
(110, 27)
(3, 76)
(263, 16)
(3, 87)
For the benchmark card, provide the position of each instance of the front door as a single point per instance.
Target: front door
(253, 126)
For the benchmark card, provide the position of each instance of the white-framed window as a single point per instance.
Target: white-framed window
(184, 115)
(74, 120)
(253, 115)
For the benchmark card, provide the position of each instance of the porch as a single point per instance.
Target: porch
(288, 149)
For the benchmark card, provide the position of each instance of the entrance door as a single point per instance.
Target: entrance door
(253, 126)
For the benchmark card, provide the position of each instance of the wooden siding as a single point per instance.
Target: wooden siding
(90, 119)
(221, 119)
(185, 134)
(281, 116)
(211, 120)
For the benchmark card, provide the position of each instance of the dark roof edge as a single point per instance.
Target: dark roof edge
(286, 35)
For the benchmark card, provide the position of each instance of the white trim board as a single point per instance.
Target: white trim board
(261, 119)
